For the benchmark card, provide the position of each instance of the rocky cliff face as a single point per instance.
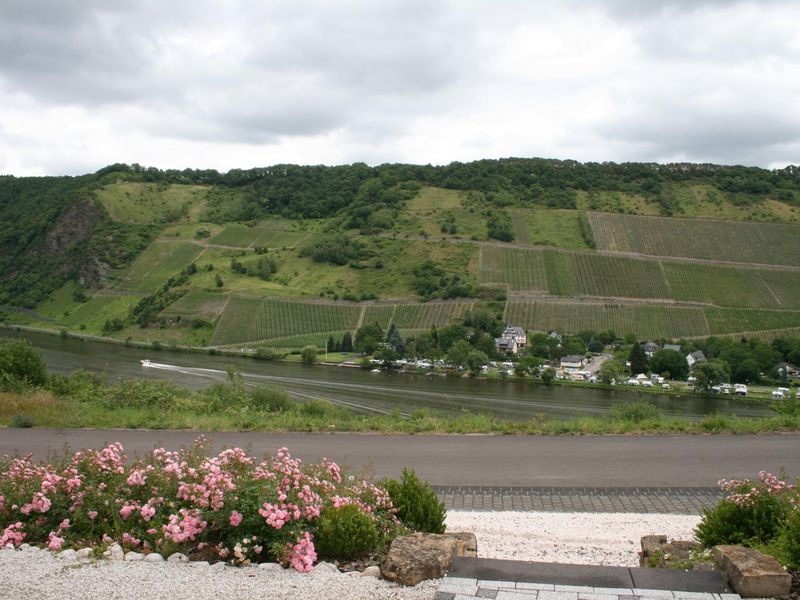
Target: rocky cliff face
(76, 224)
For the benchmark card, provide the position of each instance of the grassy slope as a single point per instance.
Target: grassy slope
(527, 271)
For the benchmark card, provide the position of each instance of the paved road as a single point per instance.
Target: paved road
(481, 460)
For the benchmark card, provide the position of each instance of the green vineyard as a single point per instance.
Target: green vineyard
(255, 319)
(197, 304)
(737, 241)
(643, 320)
(153, 267)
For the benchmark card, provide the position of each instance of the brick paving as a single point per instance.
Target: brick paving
(461, 588)
(667, 500)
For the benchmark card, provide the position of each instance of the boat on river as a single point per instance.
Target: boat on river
(145, 362)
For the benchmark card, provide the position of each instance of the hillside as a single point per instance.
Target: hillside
(287, 256)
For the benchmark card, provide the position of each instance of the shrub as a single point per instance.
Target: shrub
(229, 507)
(635, 412)
(308, 355)
(346, 532)
(752, 513)
(21, 421)
(270, 400)
(22, 363)
(789, 540)
(417, 505)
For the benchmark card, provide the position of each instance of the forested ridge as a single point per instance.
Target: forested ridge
(53, 230)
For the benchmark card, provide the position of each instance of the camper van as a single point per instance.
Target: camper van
(777, 395)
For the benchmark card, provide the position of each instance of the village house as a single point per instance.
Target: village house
(572, 361)
(695, 357)
(673, 347)
(787, 371)
(518, 333)
(505, 345)
(511, 341)
(650, 349)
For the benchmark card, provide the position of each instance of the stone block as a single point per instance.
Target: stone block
(752, 574)
(466, 543)
(417, 557)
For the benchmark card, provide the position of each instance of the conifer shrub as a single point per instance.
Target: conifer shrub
(417, 506)
(346, 532)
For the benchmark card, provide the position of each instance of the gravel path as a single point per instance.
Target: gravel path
(589, 538)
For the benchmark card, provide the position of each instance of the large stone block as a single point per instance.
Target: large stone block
(417, 557)
(467, 543)
(752, 574)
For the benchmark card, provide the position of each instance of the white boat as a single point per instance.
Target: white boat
(375, 371)
(145, 362)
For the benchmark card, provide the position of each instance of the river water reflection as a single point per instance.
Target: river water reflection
(361, 390)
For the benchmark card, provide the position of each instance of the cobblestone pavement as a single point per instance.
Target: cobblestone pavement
(684, 501)
(461, 588)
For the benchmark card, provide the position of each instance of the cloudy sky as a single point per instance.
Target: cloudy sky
(239, 84)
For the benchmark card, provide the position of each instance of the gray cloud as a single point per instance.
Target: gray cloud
(313, 81)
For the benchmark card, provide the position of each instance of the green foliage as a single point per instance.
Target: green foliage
(789, 539)
(336, 250)
(757, 522)
(710, 373)
(417, 506)
(346, 532)
(308, 355)
(635, 413)
(21, 363)
(638, 359)
(500, 226)
(548, 375)
(670, 362)
(21, 421)
(270, 400)
(610, 370)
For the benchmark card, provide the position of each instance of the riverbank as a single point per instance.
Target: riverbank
(678, 392)
(82, 401)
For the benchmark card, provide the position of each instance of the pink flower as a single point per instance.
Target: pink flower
(64, 524)
(236, 518)
(303, 554)
(13, 534)
(147, 512)
(92, 515)
(136, 477)
(54, 542)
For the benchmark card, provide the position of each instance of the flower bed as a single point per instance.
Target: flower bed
(229, 507)
(763, 514)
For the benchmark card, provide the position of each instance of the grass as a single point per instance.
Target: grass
(269, 234)
(690, 200)
(191, 411)
(134, 202)
(197, 304)
(549, 227)
(432, 198)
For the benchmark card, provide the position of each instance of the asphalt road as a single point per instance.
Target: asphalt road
(479, 460)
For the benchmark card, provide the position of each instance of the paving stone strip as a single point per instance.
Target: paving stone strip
(464, 588)
(666, 500)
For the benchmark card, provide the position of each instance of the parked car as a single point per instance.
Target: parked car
(647, 383)
(777, 395)
(632, 382)
(664, 386)
(740, 389)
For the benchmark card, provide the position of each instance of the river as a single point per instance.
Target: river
(361, 390)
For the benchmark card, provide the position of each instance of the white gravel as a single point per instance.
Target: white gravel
(589, 538)
(577, 538)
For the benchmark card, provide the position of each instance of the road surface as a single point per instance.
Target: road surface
(479, 460)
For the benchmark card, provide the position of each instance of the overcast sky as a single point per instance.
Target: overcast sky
(240, 84)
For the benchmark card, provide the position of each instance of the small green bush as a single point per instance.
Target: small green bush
(789, 540)
(635, 412)
(417, 505)
(758, 521)
(270, 400)
(346, 532)
(21, 421)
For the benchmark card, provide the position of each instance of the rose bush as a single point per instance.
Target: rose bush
(229, 507)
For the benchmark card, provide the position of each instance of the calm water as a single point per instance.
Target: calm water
(361, 390)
